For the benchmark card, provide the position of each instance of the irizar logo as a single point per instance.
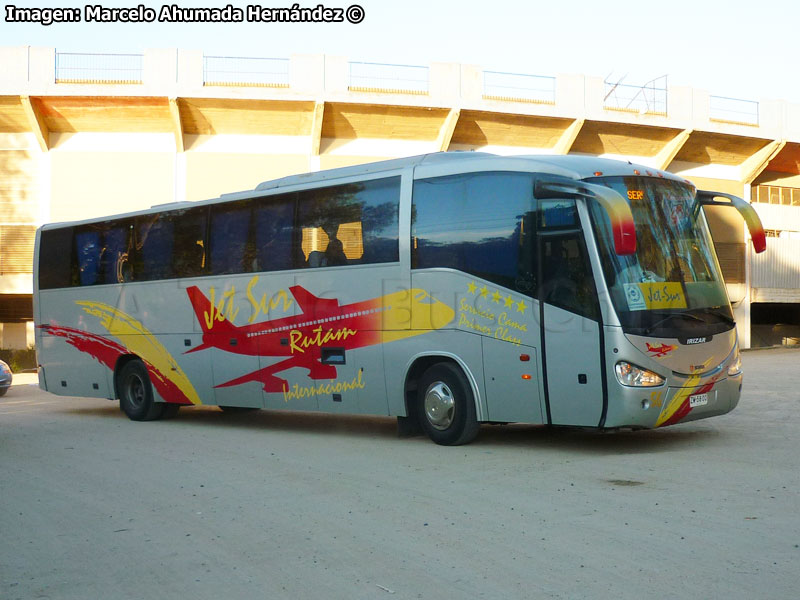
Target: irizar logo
(698, 340)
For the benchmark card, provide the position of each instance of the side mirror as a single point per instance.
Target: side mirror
(749, 214)
(616, 207)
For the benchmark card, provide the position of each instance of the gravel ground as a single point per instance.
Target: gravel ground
(290, 505)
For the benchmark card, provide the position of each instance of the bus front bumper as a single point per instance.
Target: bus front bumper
(693, 402)
(647, 408)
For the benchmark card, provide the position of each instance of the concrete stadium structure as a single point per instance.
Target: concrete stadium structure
(91, 135)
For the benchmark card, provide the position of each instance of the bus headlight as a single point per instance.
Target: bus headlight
(633, 376)
(735, 368)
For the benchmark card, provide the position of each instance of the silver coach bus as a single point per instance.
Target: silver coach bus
(448, 290)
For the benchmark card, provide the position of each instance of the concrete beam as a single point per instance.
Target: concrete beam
(668, 153)
(447, 129)
(175, 114)
(316, 128)
(568, 137)
(37, 122)
(753, 166)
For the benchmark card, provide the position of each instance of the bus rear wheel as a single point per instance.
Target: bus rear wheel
(136, 393)
(446, 405)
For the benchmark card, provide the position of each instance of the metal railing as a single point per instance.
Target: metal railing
(380, 77)
(733, 110)
(245, 71)
(648, 98)
(73, 67)
(518, 87)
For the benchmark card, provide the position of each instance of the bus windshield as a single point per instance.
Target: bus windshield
(672, 286)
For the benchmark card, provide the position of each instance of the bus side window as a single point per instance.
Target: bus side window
(189, 252)
(116, 266)
(154, 243)
(567, 275)
(379, 226)
(101, 252)
(482, 223)
(354, 223)
(57, 259)
(274, 218)
(228, 238)
(88, 246)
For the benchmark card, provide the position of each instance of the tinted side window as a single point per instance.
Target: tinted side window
(252, 235)
(355, 223)
(347, 224)
(482, 223)
(228, 238)
(189, 242)
(88, 244)
(55, 258)
(567, 280)
(170, 245)
(153, 258)
(274, 233)
(115, 260)
(102, 253)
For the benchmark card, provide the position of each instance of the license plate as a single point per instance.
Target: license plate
(698, 400)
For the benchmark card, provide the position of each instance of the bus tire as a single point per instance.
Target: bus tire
(136, 393)
(446, 405)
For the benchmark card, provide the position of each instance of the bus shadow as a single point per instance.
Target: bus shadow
(266, 420)
(593, 441)
(500, 437)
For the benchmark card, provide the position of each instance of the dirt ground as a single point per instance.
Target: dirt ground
(289, 505)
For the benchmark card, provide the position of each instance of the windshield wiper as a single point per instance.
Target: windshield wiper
(685, 315)
(723, 317)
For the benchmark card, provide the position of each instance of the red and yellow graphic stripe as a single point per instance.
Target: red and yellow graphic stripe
(167, 377)
(138, 340)
(678, 407)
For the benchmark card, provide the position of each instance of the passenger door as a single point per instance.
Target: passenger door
(570, 317)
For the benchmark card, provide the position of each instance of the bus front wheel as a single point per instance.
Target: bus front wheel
(136, 393)
(446, 405)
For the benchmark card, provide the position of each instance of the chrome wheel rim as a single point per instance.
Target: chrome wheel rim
(440, 405)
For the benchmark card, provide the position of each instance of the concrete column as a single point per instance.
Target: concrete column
(444, 84)
(160, 71)
(570, 95)
(593, 94)
(772, 119)
(190, 71)
(742, 316)
(701, 109)
(14, 336)
(307, 74)
(792, 122)
(180, 177)
(471, 83)
(41, 70)
(14, 64)
(679, 106)
(337, 74)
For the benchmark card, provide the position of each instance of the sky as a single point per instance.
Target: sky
(739, 48)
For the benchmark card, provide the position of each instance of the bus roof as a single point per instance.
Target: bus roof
(573, 166)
